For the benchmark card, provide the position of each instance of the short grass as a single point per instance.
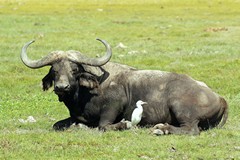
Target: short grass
(199, 38)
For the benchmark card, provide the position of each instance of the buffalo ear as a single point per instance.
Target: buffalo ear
(47, 81)
(89, 81)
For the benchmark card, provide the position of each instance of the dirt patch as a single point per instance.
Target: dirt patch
(216, 29)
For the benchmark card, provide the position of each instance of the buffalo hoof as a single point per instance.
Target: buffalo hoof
(160, 129)
(128, 124)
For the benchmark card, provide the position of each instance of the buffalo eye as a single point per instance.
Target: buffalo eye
(75, 71)
(55, 73)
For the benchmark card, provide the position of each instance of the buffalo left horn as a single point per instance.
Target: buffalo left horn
(93, 61)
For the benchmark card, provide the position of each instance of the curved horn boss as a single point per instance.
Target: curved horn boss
(72, 56)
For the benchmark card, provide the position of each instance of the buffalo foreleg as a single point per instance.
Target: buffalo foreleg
(107, 119)
(123, 125)
(63, 124)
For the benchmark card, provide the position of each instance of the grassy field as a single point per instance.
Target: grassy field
(195, 37)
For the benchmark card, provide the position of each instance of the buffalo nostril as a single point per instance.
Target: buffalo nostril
(67, 86)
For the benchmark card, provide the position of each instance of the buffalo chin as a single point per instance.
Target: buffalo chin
(61, 95)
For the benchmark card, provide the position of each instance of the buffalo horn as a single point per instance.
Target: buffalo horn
(47, 60)
(94, 61)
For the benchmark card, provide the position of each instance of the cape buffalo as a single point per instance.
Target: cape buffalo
(99, 93)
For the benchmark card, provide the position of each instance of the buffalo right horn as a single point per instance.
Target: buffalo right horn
(48, 60)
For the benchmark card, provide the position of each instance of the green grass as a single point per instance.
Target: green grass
(166, 35)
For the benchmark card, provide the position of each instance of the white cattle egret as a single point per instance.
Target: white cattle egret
(137, 113)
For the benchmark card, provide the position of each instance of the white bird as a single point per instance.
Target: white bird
(137, 113)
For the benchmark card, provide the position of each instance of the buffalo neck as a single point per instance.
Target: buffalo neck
(76, 101)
